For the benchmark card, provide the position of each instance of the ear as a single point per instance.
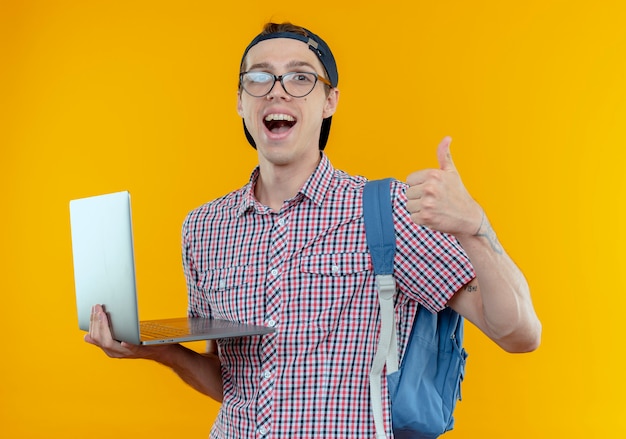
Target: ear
(239, 106)
(330, 105)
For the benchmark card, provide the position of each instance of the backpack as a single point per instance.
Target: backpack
(425, 386)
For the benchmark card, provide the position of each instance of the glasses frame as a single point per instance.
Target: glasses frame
(280, 79)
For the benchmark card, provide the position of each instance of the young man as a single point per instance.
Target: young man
(288, 250)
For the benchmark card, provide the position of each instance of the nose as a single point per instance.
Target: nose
(278, 91)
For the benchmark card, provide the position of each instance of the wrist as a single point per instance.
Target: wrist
(482, 223)
(487, 235)
(166, 354)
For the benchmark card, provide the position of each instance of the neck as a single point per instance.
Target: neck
(277, 183)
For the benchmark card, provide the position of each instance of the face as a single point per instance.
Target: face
(285, 129)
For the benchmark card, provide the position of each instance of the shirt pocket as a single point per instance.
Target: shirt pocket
(335, 264)
(336, 285)
(226, 292)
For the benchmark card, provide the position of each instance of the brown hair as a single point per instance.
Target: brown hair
(274, 28)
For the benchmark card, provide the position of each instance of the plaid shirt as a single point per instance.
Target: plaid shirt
(306, 271)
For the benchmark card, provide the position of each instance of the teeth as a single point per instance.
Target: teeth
(286, 117)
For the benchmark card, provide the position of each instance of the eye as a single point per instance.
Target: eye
(259, 77)
(302, 78)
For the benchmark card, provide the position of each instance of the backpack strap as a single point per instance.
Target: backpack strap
(381, 241)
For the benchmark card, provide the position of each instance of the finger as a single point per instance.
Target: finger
(445, 163)
(413, 206)
(443, 155)
(417, 177)
(414, 193)
(92, 318)
(99, 330)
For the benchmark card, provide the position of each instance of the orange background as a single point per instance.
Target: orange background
(99, 96)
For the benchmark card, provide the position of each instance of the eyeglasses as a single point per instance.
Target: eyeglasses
(296, 84)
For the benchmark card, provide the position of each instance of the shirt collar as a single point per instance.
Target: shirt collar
(318, 184)
(315, 188)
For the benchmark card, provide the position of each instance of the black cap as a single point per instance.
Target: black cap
(321, 49)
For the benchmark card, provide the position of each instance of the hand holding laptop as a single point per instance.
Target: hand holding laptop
(201, 371)
(100, 335)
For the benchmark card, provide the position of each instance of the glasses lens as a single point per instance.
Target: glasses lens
(299, 84)
(257, 83)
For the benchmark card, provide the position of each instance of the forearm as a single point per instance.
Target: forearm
(202, 371)
(506, 312)
(498, 300)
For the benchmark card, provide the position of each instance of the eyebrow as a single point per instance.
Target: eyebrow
(290, 65)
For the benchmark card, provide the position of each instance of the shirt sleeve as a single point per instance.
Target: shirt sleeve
(430, 266)
(194, 293)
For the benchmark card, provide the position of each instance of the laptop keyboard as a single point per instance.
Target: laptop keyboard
(155, 330)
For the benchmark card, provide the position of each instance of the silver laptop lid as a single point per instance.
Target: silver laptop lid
(104, 267)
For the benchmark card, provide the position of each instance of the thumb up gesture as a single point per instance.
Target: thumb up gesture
(438, 199)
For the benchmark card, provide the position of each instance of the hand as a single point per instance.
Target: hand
(100, 335)
(438, 199)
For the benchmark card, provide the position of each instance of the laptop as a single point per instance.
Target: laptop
(104, 273)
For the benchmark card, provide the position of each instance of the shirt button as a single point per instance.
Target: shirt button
(271, 323)
(263, 430)
(274, 272)
(335, 268)
(267, 374)
(281, 222)
(222, 283)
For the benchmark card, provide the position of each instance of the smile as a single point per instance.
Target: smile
(279, 123)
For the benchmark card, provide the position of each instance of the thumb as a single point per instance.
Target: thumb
(443, 155)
